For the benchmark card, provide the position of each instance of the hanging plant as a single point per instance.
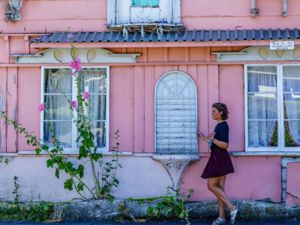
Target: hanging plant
(12, 10)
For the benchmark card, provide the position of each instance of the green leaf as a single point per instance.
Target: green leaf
(50, 163)
(80, 170)
(57, 172)
(45, 147)
(68, 184)
(80, 186)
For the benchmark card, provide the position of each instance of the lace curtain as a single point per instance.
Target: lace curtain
(57, 98)
(291, 105)
(262, 106)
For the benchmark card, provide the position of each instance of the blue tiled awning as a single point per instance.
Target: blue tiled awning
(181, 36)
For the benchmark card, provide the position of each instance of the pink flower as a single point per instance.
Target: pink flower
(86, 95)
(74, 104)
(75, 64)
(41, 107)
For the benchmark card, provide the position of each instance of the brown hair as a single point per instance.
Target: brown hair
(221, 107)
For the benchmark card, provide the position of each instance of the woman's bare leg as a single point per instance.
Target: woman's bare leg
(213, 186)
(220, 202)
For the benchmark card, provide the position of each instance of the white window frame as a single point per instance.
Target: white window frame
(74, 149)
(280, 110)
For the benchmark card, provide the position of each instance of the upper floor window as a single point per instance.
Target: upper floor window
(145, 3)
(128, 12)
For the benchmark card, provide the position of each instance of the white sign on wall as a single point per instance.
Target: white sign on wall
(282, 45)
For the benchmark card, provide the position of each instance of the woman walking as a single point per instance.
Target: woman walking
(219, 163)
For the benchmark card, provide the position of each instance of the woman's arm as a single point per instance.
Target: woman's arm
(223, 137)
(220, 144)
(206, 139)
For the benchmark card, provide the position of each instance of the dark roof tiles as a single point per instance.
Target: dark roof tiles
(182, 36)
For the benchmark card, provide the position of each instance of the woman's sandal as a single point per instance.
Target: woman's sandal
(233, 215)
(219, 221)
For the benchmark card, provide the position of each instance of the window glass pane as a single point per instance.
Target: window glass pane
(145, 3)
(99, 130)
(97, 107)
(57, 107)
(291, 79)
(292, 133)
(291, 105)
(60, 130)
(262, 133)
(58, 81)
(94, 80)
(57, 99)
(262, 106)
(262, 79)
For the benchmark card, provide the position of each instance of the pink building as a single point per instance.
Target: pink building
(154, 68)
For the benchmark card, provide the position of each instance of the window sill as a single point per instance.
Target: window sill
(266, 153)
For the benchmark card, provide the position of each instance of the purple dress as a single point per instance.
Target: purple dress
(219, 163)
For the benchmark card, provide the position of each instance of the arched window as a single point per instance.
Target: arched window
(176, 115)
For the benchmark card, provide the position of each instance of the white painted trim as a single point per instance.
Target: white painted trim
(74, 131)
(107, 108)
(101, 56)
(281, 139)
(252, 54)
(246, 105)
(265, 153)
(279, 107)
(42, 101)
(74, 117)
(155, 91)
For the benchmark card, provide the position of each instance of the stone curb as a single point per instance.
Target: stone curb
(101, 210)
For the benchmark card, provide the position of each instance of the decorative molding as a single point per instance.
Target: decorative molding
(259, 53)
(175, 166)
(86, 55)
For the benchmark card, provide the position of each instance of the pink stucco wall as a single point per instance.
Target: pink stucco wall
(293, 184)
(248, 182)
(82, 15)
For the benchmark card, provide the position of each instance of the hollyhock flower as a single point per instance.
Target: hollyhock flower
(74, 104)
(41, 107)
(86, 95)
(75, 64)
